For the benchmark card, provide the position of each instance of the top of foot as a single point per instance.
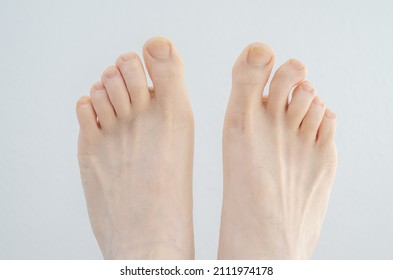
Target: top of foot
(135, 153)
(279, 160)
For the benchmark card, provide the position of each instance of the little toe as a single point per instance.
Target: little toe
(313, 118)
(102, 106)
(134, 76)
(302, 97)
(284, 80)
(117, 91)
(87, 117)
(250, 74)
(327, 129)
(165, 67)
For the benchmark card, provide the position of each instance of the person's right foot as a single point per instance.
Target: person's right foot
(279, 161)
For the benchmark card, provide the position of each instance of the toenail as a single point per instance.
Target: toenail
(84, 101)
(258, 56)
(99, 87)
(159, 48)
(127, 57)
(307, 87)
(331, 115)
(296, 64)
(110, 72)
(317, 101)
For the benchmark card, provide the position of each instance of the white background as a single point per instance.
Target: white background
(52, 51)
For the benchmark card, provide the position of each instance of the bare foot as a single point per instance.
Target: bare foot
(135, 155)
(279, 161)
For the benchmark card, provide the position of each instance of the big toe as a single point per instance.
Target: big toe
(250, 74)
(165, 67)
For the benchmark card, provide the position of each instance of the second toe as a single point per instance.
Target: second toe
(284, 80)
(134, 77)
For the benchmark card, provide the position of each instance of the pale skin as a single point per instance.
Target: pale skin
(136, 148)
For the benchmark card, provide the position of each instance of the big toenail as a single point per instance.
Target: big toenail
(110, 73)
(159, 49)
(317, 101)
(258, 56)
(307, 87)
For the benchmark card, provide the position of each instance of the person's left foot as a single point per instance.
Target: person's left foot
(135, 154)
